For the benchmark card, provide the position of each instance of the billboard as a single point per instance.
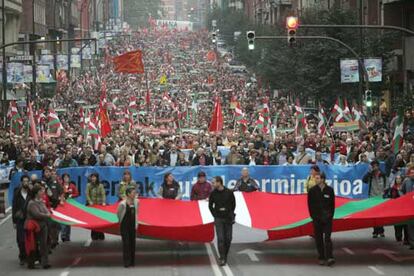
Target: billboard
(374, 69)
(62, 62)
(349, 70)
(15, 72)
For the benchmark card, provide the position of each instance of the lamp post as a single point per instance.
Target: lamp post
(4, 72)
(33, 87)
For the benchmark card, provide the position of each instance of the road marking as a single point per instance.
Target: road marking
(251, 253)
(391, 255)
(349, 251)
(213, 261)
(88, 243)
(376, 270)
(5, 219)
(64, 273)
(228, 270)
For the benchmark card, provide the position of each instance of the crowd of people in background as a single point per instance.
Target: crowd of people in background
(163, 135)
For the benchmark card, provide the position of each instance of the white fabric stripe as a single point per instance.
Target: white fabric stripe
(62, 216)
(205, 213)
(242, 212)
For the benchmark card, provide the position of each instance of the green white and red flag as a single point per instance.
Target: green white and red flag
(16, 121)
(397, 140)
(338, 111)
(301, 125)
(322, 121)
(240, 116)
(54, 126)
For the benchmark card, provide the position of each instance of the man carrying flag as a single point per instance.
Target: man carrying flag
(216, 124)
(322, 121)
(301, 123)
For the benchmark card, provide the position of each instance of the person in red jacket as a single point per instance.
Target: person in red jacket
(69, 191)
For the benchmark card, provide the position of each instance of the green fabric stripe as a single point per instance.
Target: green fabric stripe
(62, 222)
(345, 210)
(110, 217)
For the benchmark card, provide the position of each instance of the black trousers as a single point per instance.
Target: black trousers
(128, 235)
(224, 230)
(97, 235)
(378, 230)
(42, 251)
(20, 237)
(399, 230)
(322, 232)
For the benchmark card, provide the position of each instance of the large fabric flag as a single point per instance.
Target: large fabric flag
(92, 131)
(358, 117)
(16, 121)
(104, 122)
(130, 63)
(337, 111)
(54, 126)
(192, 221)
(240, 117)
(397, 140)
(216, 124)
(322, 121)
(32, 124)
(301, 123)
(347, 112)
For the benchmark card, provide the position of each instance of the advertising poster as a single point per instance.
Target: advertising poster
(27, 73)
(349, 70)
(46, 60)
(374, 69)
(75, 61)
(43, 74)
(62, 62)
(14, 72)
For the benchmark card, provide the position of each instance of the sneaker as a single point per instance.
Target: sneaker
(46, 266)
(331, 262)
(382, 235)
(374, 236)
(322, 262)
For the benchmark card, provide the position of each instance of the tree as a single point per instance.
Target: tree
(311, 68)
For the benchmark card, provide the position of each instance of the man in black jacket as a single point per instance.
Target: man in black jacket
(20, 199)
(321, 204)
(222, 205)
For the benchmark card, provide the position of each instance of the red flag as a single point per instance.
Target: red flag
(216, 124)
(211, 56)
(33, 130)
(104, 122)
(130, 63)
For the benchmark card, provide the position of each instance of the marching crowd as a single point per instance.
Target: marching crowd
(182, 84)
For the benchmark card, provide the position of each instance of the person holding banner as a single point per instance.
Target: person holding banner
(321, 205)
(202, 188)
(95, 195)
(246, 183)
(170, 189)
(126, 183)
(69, 191)
(377, 184)
(127, 213)
(20, 200)
(222, 204)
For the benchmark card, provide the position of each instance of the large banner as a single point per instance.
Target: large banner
(346, 180)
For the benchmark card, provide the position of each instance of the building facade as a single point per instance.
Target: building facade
(13, 11)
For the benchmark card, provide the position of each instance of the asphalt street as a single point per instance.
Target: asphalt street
(356, 254)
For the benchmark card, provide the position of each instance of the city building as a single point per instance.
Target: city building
(13, 11)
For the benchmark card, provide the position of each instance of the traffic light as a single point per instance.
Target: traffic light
(292, 24)
(214, 37)
(368, 98)
(250, 39)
